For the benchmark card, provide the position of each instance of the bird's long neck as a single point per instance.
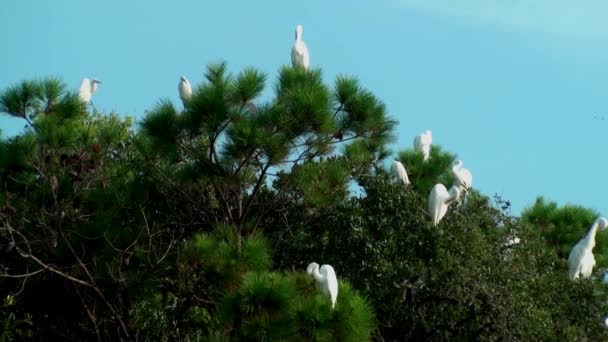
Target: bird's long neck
(454, 195)
(298, 34)
(457, 167)
(93, 87)
(315, 273)
(591, 235)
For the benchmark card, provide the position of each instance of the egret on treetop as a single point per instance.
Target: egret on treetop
(581, 259)
(399, 169)
(87, 88)
(439, 200)
(423, 143)
(326, 280)
(299, 51)
(462, 176)
(185, 90)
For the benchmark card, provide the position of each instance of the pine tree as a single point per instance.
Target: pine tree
(226, 139)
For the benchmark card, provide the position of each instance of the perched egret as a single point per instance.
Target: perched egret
(581, 259)
(423, 143)
(87, 88)
(439, 200)
(299, 51)
(326, 280)
(185, 90)
(399, 169)
(462, 176)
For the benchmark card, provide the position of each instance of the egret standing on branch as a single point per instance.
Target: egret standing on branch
(462, 176)
(399, 169)
(87, 88)
(439, 201)
(581, 259)
(299, 51)
(326, 280)
(185, 90)
(423, 143)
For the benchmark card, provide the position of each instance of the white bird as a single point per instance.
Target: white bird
(299, 51)
(326, 280)
(423, 143)
(439, 200)
(185, 89)
(462, 176)
(512, 242)
(87, 88)
(399, 169)
(581, 259)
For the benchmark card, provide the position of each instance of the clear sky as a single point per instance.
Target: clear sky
(516, 88)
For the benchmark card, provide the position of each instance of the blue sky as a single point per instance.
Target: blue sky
(516, 88)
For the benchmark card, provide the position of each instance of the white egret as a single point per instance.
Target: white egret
(581, 259)
(185, 89)
(87, 88)
(399, 169)
(462, 176)
(299, 51)
(423, 143)
(326, 280)
(439, 200)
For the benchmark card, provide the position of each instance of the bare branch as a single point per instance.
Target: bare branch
(24, 275)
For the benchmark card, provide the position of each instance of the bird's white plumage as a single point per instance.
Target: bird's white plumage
(87, 88)
(439, 201)
(399, 170)
(462, 176)
(299, 51)
(326, 280)
(581, 260)
(512, 242)
(423, 142)
(185, 89)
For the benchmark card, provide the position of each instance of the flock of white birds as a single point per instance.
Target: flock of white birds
(439, 198)
(580, 261)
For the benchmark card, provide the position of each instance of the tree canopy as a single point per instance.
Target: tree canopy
(198, 223)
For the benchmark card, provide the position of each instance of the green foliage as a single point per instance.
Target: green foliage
(562, 227)
(272, 306)
(217, 252)
(161, 125)
(252, 302)
(170, 233)
(425, 174)
(45, 96)
(20, 99)
(12, 327)
(457, 281)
